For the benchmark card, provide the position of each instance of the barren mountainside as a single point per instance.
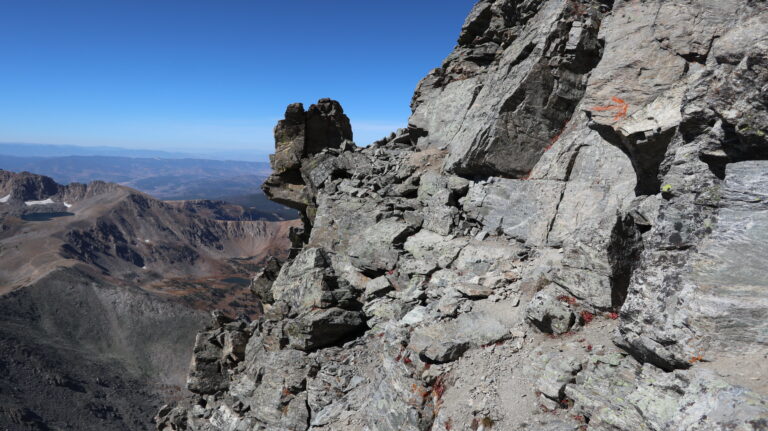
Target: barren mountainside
(570, 235)
(102, 289)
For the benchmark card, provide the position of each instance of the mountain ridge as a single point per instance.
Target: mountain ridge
(568, 236)
(102, 289)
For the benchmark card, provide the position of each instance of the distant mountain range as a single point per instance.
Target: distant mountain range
(236, 182)
(47, 150)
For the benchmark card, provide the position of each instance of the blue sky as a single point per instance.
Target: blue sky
(202, 75)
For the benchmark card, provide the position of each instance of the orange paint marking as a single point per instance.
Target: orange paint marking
(620, 107)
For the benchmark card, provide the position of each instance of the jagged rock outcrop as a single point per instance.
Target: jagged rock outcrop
(568, 236)
(510, 86)
(299, 136)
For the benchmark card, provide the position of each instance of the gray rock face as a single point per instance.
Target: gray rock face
(377, 287)
(520, 209)
(510, 86)
(625, 395)
(725, 272)
(658, 318)
(436, 250)
(305, 282)
(556, 375)
(377, 248)
(572, 229)
(719, 300)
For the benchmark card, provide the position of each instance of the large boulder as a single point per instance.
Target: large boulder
(321, 328)
(550, 312)
(379, 247)
(309, 282)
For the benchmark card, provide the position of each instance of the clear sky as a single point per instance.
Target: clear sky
(199, 75)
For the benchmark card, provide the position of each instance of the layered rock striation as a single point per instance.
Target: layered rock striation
(569, 235)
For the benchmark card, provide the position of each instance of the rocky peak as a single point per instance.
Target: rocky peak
(305, 133)
(25, 186)
(327, 126)
(299, 136)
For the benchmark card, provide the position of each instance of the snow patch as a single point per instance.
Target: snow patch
(45, 202)
(4, 199)
(67, 205)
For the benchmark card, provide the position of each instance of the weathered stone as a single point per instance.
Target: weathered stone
(206, 375)
(730, 303)
(302, 134)
(233, 349)
(377, 287)
(474, 291)
(376, 390)
(434, 248)
(719, 286)
(447, 341)
(269, 394)
(378, 248)
(305, 282)
(382, 310)
(340, 222)
(630, 396)
(441, 219)
(548, 312)
(261, 285)
(320, 328)
(480, 258)
(644, 210)
(508, 88)
(558, 372)
(327, 126)
(290, 137)
(520, 209)
(171, 418)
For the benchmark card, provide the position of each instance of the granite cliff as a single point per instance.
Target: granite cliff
(569, 235)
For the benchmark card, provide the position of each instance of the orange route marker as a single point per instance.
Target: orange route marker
(620, 107)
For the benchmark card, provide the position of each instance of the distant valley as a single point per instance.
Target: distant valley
(103, 287)
(235, 182)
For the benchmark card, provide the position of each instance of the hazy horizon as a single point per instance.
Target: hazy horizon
(35, 149)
